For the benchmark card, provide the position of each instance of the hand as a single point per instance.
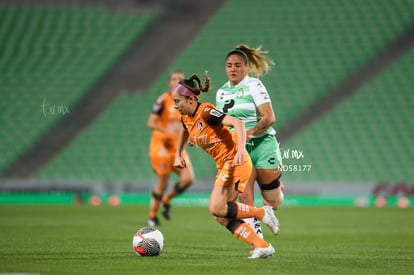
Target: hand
(248, 135)
(239, 158)
(179, 162)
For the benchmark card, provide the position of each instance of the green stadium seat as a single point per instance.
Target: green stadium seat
(316, 44)
(368, 138)
(54, 53)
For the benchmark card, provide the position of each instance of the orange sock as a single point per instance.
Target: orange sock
(246, 211)
(245, 233)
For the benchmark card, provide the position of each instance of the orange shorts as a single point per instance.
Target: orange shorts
(238, 175)
(162, 159)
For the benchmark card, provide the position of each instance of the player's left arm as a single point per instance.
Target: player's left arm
(214, 117)
(238, 126)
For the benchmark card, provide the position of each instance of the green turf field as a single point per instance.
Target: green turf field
(81, 239)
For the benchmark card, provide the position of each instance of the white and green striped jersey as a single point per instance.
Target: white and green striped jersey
(242, 101)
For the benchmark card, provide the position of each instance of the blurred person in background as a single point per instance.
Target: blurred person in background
(165, 122)
(205, 126)
(245, 97)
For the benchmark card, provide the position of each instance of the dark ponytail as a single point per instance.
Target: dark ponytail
(194, 83)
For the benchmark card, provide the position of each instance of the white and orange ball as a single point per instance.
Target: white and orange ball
(148, 241)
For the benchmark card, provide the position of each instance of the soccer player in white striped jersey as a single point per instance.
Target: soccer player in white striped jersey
(244, 96)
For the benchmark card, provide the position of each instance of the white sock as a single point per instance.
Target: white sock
(256, 225)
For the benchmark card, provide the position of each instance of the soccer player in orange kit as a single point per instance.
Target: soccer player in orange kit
(206, 127)
(165, 122)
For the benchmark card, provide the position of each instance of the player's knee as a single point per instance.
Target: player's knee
(272, 193)
(229, 212)
(216, 210)
(181, 187)
(156, 196)
(186, 183)
(272, 185)
(186, 180)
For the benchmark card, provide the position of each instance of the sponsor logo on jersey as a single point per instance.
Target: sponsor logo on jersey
(216, 113)
(199, 125)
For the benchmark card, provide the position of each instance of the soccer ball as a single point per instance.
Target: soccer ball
(148, 241)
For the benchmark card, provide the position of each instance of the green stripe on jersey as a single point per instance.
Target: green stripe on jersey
(241, 100)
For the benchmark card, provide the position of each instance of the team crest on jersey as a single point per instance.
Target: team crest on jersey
(240, 92)
(222, 96)
(199, 125)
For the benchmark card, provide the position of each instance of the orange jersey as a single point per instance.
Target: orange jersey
(163, 146)
(168, 118)
(206, 131)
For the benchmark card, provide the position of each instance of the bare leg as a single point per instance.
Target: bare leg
(271, 194)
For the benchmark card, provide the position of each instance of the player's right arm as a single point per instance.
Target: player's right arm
(179, 161)
(153, 121)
